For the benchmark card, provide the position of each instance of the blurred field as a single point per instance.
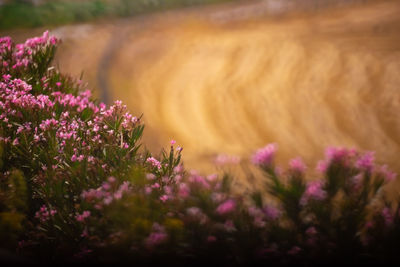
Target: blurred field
(232, 78)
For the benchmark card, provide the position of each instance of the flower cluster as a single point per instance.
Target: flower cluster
(106, 193)
(44, 214)
(73, 183)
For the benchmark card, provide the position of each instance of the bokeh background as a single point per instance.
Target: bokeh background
(228, 77)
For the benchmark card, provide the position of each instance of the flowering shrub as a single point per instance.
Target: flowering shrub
(75, 186)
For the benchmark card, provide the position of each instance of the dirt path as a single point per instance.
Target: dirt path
(221, 80)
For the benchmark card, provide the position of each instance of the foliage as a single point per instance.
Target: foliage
(23, 14)
(75, 186)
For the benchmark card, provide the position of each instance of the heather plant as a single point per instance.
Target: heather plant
(76, 185)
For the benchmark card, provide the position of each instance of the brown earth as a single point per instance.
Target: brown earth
(231, 78)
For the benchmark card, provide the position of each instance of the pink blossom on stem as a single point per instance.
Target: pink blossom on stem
(154, 163)
(297, 165)
(265, 156)
(366, 161)
(313, 191)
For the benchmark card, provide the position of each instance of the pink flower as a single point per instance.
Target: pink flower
(313, 191)
(156, 185)
(226, 207)
(164, 198)
(265, 156)
(297, 165)
(83, 216)
(173, 142)
(153, 162)
(339, 154)
(44, 214)
(366, 162)
(15, 142)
